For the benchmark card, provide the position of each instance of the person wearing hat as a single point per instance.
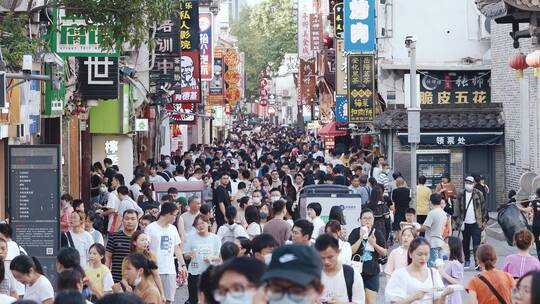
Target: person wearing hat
(471, 218)
(447, 190)
(293, 276)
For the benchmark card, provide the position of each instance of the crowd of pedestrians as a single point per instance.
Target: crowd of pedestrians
(244, 239)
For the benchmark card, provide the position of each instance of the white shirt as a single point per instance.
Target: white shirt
(345, 254)
(82, 242)
(318, 223)
(126, 204)
(163, 242)
(13, 251)
(178, 178)
(112, 203)
(470, 218)
(229, 232)
(5, 299)
(41, 290)
(136, 190)
(188, 219)
(254, 229)
(335, 288)
(156, 179)
(402, 285)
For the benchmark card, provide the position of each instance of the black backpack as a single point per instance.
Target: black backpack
(348, 273)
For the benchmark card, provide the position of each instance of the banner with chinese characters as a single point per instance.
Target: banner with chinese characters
(70, 38)
(190, 83)
(166, 73)
(98, 77)
(182, 113)
(308, 82)
(338, 19)
(341, 68)
(206, 46)
(316, 31)
(361, 87)
(231, 77)
(456, 139)
(455, 87)
(305, 8)
(216, 84)
(341, 109)
(359, 22)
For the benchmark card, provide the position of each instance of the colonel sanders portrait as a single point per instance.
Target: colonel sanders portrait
(187, 73)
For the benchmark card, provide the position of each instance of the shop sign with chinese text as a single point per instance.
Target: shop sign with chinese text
(98, 77)
(316, 31)
(73, 38)
(338, 19)
(359, 22)
(216, 84)
(361, 87)
(206, 45)
(305, 8)
(182, 113)
(341, 68)
(231, 77)
(455, 87)
(190, 57)
(308, 82)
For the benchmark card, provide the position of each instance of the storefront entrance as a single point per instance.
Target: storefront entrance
(479, 161)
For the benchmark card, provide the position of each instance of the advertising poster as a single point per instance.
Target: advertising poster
(206, 45)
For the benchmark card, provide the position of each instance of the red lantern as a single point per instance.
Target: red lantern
(533, 60)
(519, 62)
(366, 140)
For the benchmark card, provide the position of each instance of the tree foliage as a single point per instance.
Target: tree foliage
(265, 33)
(122, 20)
(14, 39)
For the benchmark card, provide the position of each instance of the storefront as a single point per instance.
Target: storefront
(458, 140)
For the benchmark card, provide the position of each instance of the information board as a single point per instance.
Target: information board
(34, 196)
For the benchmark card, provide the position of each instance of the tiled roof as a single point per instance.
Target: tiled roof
(484, 116)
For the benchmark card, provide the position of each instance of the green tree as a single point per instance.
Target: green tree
(265, 33)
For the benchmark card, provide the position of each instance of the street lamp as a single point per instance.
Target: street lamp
(413, 115)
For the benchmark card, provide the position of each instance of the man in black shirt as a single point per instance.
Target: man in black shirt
(221, 199)
(109, 171)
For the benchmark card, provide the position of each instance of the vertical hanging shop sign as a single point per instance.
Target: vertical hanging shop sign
(307, 81)
(338, 19)
(216, 84)
(165, 75)
(305, 8)
(341, 109)
(361, 87)
(231, 77)
(359, 21)
(206, 46)
(316, 31)
(190, 69)
(341, 68)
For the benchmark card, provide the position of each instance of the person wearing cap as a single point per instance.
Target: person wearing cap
(165, 243)
(293, 276)
(471, 218)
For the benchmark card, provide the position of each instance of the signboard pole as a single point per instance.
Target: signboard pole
(413, 115)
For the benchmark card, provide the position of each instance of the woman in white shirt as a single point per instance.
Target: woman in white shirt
(416, 283)
(28, 271)
(254, 228)
(333, 228)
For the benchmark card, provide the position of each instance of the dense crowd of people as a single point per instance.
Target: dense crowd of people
(242, 238)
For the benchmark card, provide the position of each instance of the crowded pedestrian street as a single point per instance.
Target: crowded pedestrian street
(269, 152)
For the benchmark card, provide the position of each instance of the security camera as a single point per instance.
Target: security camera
(54, 59)
(409, 41)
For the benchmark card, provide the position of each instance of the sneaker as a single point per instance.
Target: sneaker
(477, 267)
(467, 264)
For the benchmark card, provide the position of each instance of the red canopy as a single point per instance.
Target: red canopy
(330, 130)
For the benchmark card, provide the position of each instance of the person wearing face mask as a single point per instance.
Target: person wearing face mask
(238, 280)
(256, 198)
(275, 195)
(139, 274)
(293, 276)
(262, 247)
(471, 218)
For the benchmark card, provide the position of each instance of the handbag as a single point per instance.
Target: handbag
(357, 264)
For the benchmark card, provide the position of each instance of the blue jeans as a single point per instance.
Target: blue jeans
(434, 253)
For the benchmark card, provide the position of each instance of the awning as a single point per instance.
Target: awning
(456, 139)
(330, 130)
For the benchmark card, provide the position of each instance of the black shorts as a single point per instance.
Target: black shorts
(371, 282)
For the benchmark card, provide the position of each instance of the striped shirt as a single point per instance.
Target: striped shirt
(118, 244)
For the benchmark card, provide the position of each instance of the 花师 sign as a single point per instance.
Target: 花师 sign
(455, 87)
(359, 22)
(73, 38)
(206, 45)
(361, 87)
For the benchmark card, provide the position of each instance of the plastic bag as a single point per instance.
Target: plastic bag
(511, 220)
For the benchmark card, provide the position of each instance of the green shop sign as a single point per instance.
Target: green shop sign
(71, 37)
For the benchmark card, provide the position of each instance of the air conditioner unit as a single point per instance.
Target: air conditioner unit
(485, 27)
(18, 5)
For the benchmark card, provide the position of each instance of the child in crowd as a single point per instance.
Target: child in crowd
(89, 227)
(452, 272)
(410, 219)
(100, 277)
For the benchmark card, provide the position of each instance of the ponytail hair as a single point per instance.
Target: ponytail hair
(24, 264)
(487, 255)
(140, 261)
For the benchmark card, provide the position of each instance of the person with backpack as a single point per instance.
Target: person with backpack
(342, 283)
(231, 230)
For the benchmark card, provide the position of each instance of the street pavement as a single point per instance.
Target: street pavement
(502, 248)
